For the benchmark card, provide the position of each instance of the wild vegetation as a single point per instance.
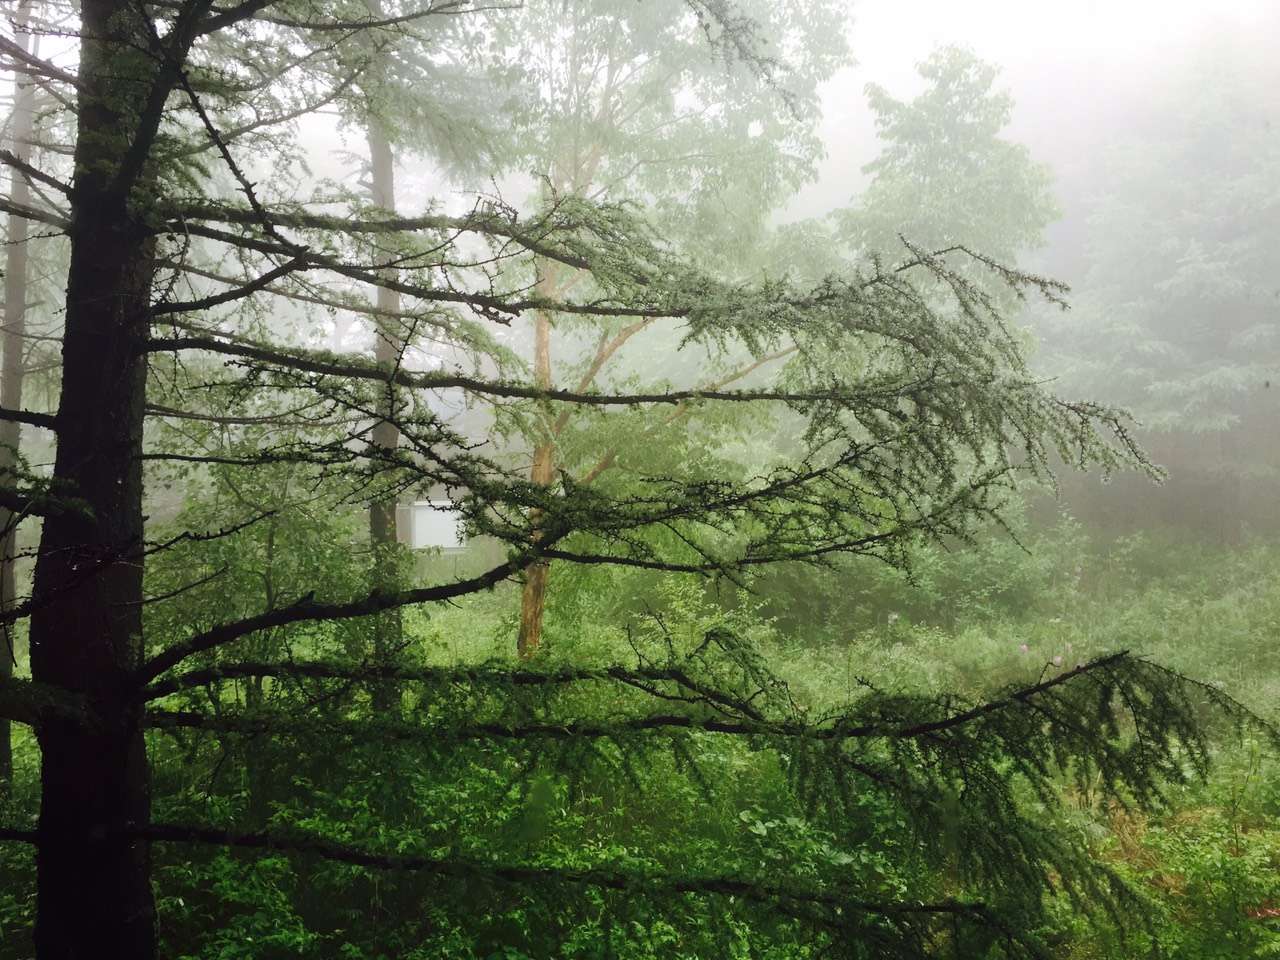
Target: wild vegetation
(769, 634)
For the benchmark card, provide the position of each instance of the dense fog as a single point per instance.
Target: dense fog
(615, 479)
(1159, 125)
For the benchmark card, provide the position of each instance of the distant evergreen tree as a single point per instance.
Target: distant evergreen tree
(944, 174)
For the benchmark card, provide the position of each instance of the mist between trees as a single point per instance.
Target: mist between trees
(452, 506)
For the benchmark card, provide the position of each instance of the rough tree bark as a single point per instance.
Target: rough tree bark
(93, 876)
(11, 373)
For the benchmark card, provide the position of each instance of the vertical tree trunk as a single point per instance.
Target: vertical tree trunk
(533, 598)
(93, 872)
(388, 346)
(11, 373)
(572, 173)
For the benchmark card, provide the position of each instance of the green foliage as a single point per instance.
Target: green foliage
(944, 175)
(697, 805)
(924, 759)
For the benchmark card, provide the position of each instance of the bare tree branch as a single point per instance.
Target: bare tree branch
(45, 421)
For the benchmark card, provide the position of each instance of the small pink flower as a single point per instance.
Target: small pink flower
(1057, 661)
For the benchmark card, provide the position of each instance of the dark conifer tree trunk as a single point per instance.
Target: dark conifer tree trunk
(93, 879)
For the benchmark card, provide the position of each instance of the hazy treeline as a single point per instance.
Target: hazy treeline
(1163, 162)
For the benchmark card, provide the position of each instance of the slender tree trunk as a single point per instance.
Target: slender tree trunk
(388, 346)
(11, 373)
(93, 872)
(573, 173)
(533, 598)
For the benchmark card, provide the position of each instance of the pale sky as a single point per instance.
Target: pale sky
(1061, 60)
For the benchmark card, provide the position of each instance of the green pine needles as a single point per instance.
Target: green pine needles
(916, 825)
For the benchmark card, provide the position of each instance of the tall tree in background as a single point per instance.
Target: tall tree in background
(389, 347)
(945, 175)
(452, 129)
(628, 106)
(21, 133)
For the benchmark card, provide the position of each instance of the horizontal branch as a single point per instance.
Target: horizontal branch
(497, 225)
(837, 730)
(497, 307)
(11, 159)
(39, 504)
(46, 421)
(809, 553)
(16, 835)
(307, 610)
(34, 64)
(336, 301)
(259, 724)
(329, 364)
(627, 881)
(221, 18)
(34, 214)
(319, 670)
(246, 289)
(286, 418)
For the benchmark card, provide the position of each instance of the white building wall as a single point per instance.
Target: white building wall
(427, 524)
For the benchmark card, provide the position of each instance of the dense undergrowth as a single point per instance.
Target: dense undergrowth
(1209, 863)
(1205, 867)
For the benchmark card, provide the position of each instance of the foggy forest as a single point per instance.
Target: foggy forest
(635, 479)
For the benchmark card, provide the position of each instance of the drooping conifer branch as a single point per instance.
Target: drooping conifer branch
(482, 676)
(570, 517)
(356, 367)
(901, 718)
(309, 610)
(634, 882)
